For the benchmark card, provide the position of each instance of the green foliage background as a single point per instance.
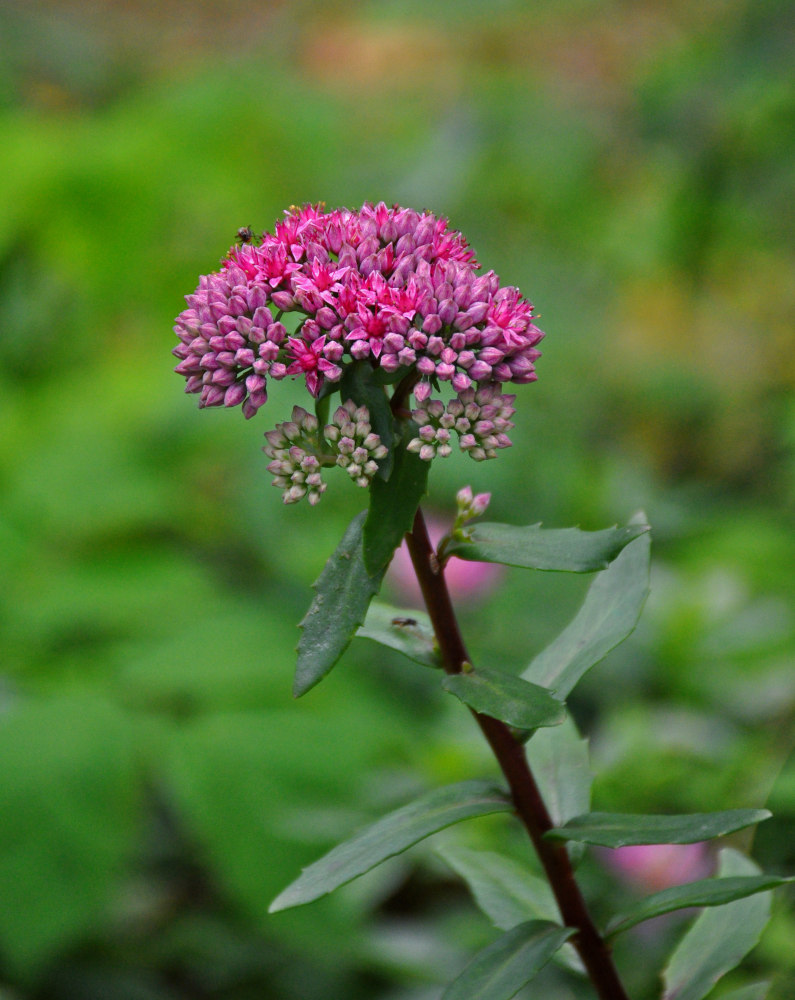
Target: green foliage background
(630, 167)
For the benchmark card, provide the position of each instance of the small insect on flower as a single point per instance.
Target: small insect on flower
(244, 235)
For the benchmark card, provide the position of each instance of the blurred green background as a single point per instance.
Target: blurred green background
(630, 167)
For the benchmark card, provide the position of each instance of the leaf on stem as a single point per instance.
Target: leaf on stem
(706, 892)
(359, 383)
(507, 892)
(560, 761)
(501, 970)
(392, 507)
(503, 889)
(391, 835)
(558, 757)
(756, 991)
(343, 593)
(533, 547)
(625, 829)
(409, 632)
(608, 615)
(506, 697)
(719, 938)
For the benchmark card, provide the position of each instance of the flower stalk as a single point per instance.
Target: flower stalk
(512, 760)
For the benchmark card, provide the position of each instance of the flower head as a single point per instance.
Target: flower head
(397, 287)
(390, 288)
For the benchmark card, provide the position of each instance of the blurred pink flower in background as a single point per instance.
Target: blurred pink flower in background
(467, 581)
(653, 867)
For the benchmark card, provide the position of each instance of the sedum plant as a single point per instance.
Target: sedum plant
(387, 310)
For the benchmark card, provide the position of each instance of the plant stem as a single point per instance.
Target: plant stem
(511, 757)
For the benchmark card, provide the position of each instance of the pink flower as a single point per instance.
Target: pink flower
(309, 361)
(392, 285)
(467, 581)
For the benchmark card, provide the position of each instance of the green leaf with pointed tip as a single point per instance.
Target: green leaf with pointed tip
(343, 593)
(503, 889)
(393, 506)
(608, 615)
(533, 547)
(706, 892)
(501, 970)
(718, 939)
(507, 892)
(358, 383)
(506, 697)
(391, 835)
(756, 991)
(624, 829)
(558, 757)
(409, 632)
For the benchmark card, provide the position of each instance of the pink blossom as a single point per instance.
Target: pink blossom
(309, 360)
(393, 285)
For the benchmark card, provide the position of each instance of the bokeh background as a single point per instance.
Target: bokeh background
(630, 166)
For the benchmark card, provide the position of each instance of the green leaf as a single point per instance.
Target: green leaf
(409, 632)
(359, 383)
(609, 613)
(559, 760)
(507, 892)
(756, 991)
(505, 697)
(391, 835)
(343, 593)
(623, 829)
(392, 507)
(706, 892)
(501, 970)
(533, 547)
(503, 889)
(719, 938)
(71, 799)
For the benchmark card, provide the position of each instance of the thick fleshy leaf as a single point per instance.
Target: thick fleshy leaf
(409, 632)
(624, 829)
(506, 697)
(609, 613)
(501, 970)
(706, 892)
(558, 757)
(343, 593)
(391, 835)
(359, 384)
(533, 547)
(719, 938)
(507, 892)
(392, 507)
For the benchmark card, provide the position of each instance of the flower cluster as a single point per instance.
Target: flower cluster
(479, 417)
(392, 285)
(469, 506)
(298, 451)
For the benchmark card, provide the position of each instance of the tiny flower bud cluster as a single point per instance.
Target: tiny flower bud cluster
(357, 447)
(470, 506)
(298, 452)
(480, 419)
(390, 285)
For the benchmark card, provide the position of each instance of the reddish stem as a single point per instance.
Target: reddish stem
(511, 757)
